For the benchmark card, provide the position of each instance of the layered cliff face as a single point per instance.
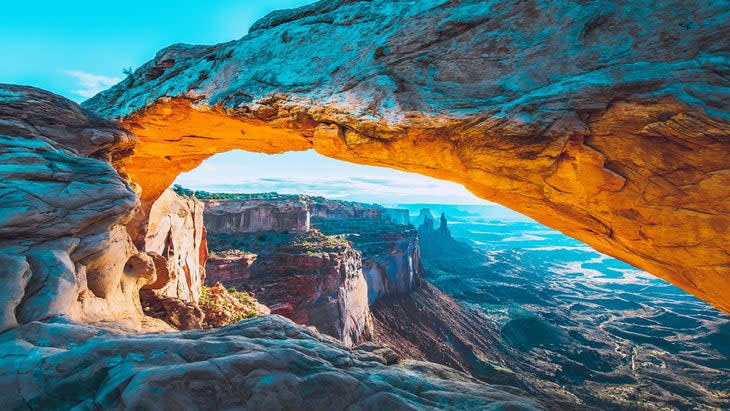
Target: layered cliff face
(63, 246)
(235, 216)
(608, 123)
(391, 258)
(310, 278)
(174, 240)
(341, 209)
(397, 270)
(228, 265)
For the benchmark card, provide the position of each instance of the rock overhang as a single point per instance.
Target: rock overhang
(610, 124)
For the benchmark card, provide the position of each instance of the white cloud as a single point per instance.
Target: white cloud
(91, 84)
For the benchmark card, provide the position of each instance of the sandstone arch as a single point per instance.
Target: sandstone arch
(610, 124)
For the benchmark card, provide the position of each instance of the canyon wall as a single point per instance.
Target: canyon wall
(271, 264)
(235, 216)
(317, 282)
(397, 269)
(228, 266)
(175, 241)
(391, 258)
(609, 123)
(340, 209)
(309, 278)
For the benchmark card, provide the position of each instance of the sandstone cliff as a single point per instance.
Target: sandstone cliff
(391, 258)
(228, 265)
(609, 123)
(390, 250)
(174, 240)
(248, 216)
(310, 278)
(340, 209)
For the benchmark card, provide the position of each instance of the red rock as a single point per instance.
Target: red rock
(313, 280)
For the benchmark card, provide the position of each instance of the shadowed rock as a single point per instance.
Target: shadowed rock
(267, 363)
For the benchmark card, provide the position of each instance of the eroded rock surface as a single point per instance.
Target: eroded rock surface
(428, 325)
(174, 240)
(267, 363)
(609, 123)
(64, 249)
(391, 260)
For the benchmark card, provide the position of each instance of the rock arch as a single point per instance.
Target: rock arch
(610, 125)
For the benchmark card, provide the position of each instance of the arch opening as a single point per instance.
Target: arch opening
(535, 289)
(614, 198)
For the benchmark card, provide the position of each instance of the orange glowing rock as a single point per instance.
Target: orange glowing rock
(604, 187)
(621, 144)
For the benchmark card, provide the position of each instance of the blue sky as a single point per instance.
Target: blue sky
(63, 46)
(78, 48)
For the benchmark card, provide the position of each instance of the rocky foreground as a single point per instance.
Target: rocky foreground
(71, 313)
(267, 363)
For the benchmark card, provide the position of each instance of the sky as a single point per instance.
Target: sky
(307, 172)
(79, 48)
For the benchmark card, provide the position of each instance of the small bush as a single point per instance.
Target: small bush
(224, 307)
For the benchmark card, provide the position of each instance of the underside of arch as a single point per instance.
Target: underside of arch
(622, 147)
(670, 221)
